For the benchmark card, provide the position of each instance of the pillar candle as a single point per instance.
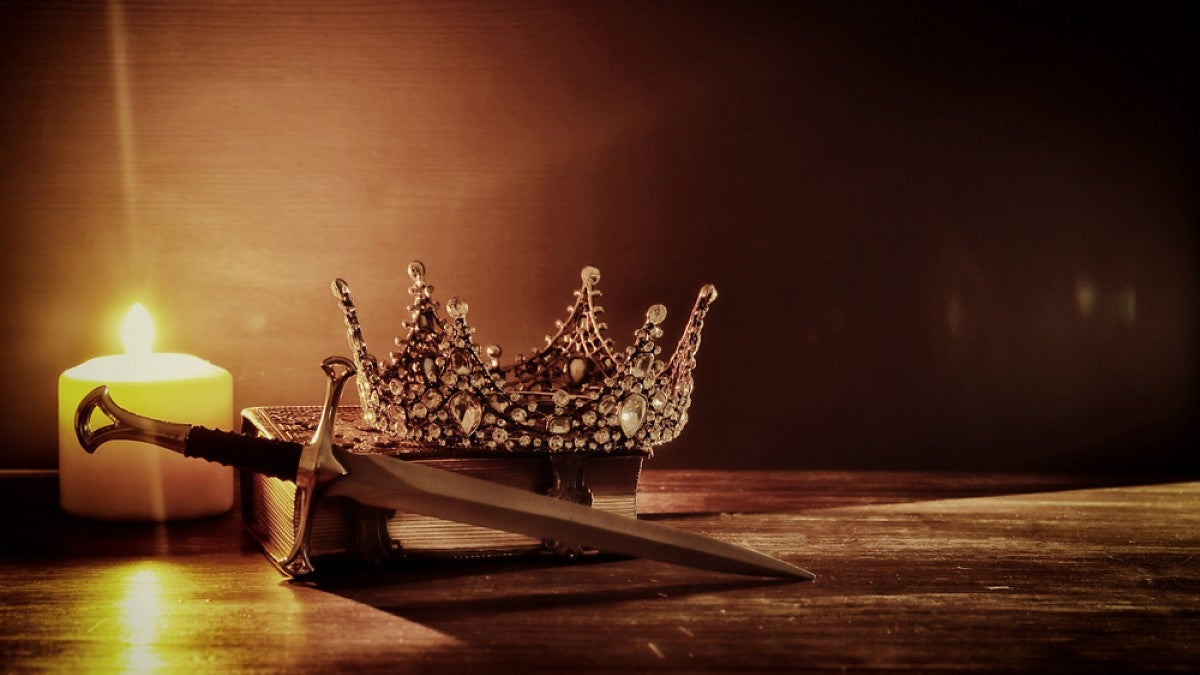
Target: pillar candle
(129, 480)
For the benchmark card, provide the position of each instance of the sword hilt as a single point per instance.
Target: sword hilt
(319, 466)
(267, 456)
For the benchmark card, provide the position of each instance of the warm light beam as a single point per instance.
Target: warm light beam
(118, 46)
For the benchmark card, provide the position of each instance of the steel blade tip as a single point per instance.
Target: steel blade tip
(790, 571)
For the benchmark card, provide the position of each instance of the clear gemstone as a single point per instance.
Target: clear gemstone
(524, 440)
(518, 415)
(430, 367)
(431, 399)
(685, 387)
(499, 404)
(607, 404)
(555, 442)
(656, 314)
(561, 398)
(499, 435)
(558, 425)
(416, 270)
(577, 370)
(602, 436)
(395, 387)
(466, 411)
(589, 418)
(642, 364)
(395, 412)
(418, 410)
(456, 307)
(633, 413)
(460, 362)
(658, 400)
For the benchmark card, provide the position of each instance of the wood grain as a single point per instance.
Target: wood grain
(916, 571)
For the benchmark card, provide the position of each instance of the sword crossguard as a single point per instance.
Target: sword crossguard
(319, 467)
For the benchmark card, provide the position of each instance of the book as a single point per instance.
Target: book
(343, 529)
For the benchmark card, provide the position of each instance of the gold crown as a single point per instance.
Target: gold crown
(574, 395)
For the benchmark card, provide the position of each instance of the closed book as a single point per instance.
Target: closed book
(344, 529)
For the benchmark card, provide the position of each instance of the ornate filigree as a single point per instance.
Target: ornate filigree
(575, 395)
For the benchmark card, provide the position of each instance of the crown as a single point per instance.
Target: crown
(574, 395)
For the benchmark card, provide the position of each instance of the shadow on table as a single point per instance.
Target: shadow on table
(429, 591)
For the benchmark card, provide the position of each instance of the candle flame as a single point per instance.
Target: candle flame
(137, 331)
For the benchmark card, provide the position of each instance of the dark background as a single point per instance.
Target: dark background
(946, 235)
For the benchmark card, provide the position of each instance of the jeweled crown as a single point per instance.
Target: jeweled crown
(574, 395)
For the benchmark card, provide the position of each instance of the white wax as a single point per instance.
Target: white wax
(127, 480)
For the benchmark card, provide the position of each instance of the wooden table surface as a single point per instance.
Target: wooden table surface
(916, 571)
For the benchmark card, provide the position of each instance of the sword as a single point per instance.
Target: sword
(320, 468)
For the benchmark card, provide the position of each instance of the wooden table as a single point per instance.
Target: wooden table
(916, 571)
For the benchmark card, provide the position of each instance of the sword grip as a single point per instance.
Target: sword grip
(261, 455)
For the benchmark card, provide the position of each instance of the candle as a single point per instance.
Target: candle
(128, 480)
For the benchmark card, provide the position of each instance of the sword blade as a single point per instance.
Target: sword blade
(400, 485)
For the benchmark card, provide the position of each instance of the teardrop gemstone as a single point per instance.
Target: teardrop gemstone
(633, 413)
(466, 411)
(430, 368)
(577, 370)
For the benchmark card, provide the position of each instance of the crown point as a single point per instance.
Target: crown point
(656, 314)
(456, 307)
(590, 276)
(416, 271)
(709, 291)
(340, 288)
